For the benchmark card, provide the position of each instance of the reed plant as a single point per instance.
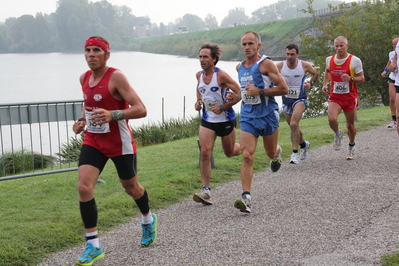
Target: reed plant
(23, 161)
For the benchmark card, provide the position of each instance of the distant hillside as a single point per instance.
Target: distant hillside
(275, 36)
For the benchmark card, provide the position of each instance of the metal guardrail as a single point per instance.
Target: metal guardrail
(32, 132)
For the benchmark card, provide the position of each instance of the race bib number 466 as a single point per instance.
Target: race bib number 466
(341, 87)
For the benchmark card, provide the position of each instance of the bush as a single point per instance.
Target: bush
(70, 152)
(23, 161)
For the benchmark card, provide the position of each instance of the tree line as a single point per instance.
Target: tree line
(74, 20)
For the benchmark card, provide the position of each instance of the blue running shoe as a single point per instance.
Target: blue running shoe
(90, 255)
(149, 232)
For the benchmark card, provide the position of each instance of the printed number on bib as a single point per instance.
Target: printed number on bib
(341, 87)
(92, 126)
(293, 92)
(247, 99)
(208, 103)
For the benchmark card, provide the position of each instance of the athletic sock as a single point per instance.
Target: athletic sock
(302, 145)
(93, 239)
(147, 219)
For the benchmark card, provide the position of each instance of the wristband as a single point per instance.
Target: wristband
(222, 108)
(117, 115)
(81, 119)
(386, 69)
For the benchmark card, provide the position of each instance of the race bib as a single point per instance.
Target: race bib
(247, 99)
(208, 103)
(293, 92)
(341, 87)
(92, 127)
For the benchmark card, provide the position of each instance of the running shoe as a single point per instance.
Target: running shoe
(243, 204)
(351, 154)
(275, 164)
(149, 232)
(204, 197)
(337, 139)
(393, 124)
(294, 158)
(90, 255)
(304, 151)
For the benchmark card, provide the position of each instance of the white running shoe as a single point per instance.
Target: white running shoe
(243, 203)
(304, 151)
(294, 158)
(393, 124)
(337, 139)
(204, 197)
(351, 153)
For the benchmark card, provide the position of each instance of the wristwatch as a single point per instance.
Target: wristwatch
(261, 92)
(352, 79)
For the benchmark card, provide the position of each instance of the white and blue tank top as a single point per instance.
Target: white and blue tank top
(294, 79)
(213, 94)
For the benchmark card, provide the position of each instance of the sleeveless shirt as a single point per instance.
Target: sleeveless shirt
(340, 89)
(294, 79)
(255, 106)
(119, 140)
(213, 94)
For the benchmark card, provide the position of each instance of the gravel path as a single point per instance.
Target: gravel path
(324, 211)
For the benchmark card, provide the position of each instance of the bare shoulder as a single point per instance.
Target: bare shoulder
(279, 65)
(306, 64)
(267, 66)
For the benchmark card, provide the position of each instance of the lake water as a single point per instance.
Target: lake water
(160, 80)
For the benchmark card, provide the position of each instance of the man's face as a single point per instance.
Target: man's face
(249, 45)
(341, 47)
(291, 56)
(95, 57)
(206, 59)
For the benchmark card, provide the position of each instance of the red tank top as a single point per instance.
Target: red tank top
(119, 140)
(335, 73)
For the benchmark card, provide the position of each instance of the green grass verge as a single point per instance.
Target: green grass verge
(40, 215)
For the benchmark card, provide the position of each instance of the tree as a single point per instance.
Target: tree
(370, 45)
(192, 22)
(43, 36)
(236, 15)
(76, 21)
(211, 22)
(23, 34)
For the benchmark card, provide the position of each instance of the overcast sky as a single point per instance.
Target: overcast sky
(158, 10)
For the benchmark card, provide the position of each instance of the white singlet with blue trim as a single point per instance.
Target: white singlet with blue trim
(294, 79)
(213, 94)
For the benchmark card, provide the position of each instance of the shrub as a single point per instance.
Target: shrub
(23, 161)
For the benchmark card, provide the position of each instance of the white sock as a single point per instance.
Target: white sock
(95, 242)
(147, 219)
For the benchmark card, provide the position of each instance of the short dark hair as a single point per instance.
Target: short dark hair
(216, 52)
(292, 46)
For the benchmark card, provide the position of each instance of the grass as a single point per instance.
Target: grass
(40, 215)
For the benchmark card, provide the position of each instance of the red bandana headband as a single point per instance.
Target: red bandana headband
(97, 42)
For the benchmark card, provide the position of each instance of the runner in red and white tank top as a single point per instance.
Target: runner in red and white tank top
(343, 72)
(114, 138)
